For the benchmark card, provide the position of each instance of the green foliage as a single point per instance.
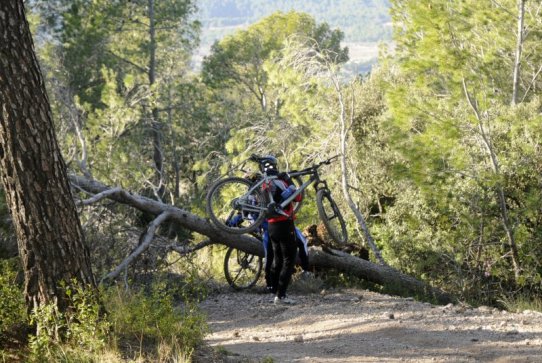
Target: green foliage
(151, 320)
(457, 142)
(277, 118)
(119, 91)
(79, 334)
(432, 144)
(238, 59)
(12, 305)
(154, 320)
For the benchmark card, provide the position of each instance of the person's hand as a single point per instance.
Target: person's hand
(286, 177)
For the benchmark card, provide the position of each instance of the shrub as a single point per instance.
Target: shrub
(78, 335)
(161, 329)
(12, 305)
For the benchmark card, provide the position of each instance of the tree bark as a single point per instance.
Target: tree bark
(49, 234)
(319, 258)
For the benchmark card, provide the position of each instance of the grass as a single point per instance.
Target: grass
(520, 303)
(156, 323)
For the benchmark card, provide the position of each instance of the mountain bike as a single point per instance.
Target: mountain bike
(251, 199)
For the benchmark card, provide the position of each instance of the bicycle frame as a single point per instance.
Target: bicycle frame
(313, 179)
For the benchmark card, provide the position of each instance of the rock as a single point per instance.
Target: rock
(323, 292)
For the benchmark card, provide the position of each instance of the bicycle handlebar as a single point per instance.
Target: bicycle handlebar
(256, 158)
(314, 167)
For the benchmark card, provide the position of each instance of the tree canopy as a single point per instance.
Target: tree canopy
(441, 140)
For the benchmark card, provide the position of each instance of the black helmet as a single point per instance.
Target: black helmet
(268, 164)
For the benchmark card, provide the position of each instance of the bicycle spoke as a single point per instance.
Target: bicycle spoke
(238, 273)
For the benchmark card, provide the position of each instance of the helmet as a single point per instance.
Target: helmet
(268, 164)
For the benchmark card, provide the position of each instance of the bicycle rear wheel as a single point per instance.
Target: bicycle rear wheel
(231, 208)
(242, 270)
(331, 217)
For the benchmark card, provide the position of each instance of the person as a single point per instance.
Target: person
(281, 229)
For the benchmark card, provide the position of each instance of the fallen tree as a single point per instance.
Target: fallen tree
(321, 257)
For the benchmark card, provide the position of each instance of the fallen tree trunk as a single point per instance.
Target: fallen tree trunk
(395, 281)
(319, 258)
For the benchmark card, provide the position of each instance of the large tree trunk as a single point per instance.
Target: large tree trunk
(50, 238)
(319, 258)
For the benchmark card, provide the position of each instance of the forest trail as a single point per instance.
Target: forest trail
(352, 325)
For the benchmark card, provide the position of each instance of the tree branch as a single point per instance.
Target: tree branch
(137, 66)
(532, 83)
(99, 196)
(185, 250)
(145, 241)
(319, 258)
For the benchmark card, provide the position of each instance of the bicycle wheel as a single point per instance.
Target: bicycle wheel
(242, 270)
(331, 216)
(231, 208)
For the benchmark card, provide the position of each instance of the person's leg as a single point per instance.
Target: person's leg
(303, 257)
(284, 234)
(276, 263)
(269, 258)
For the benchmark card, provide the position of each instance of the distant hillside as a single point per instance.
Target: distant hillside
(360, 20)
(365, 23)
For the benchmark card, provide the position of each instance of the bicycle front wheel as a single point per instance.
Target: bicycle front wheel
(232, 208)
(242, 270)
(331, 217)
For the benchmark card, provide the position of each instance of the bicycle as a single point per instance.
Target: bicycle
(252, 200)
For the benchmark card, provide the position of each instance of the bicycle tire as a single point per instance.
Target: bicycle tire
(221, 200)
(242, 269)
(331, 217)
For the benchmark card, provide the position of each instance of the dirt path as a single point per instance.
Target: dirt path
(363, 326)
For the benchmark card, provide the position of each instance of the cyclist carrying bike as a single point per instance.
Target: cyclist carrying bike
(282, 232)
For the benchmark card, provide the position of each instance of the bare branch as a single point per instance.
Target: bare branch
(100, 196)
(532, 83)
(470, 101)
(519, 50)
(185, 250)
(145, 241)
(487, 142)
(137, 66)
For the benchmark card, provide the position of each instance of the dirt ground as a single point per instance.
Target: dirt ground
(354, 325)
